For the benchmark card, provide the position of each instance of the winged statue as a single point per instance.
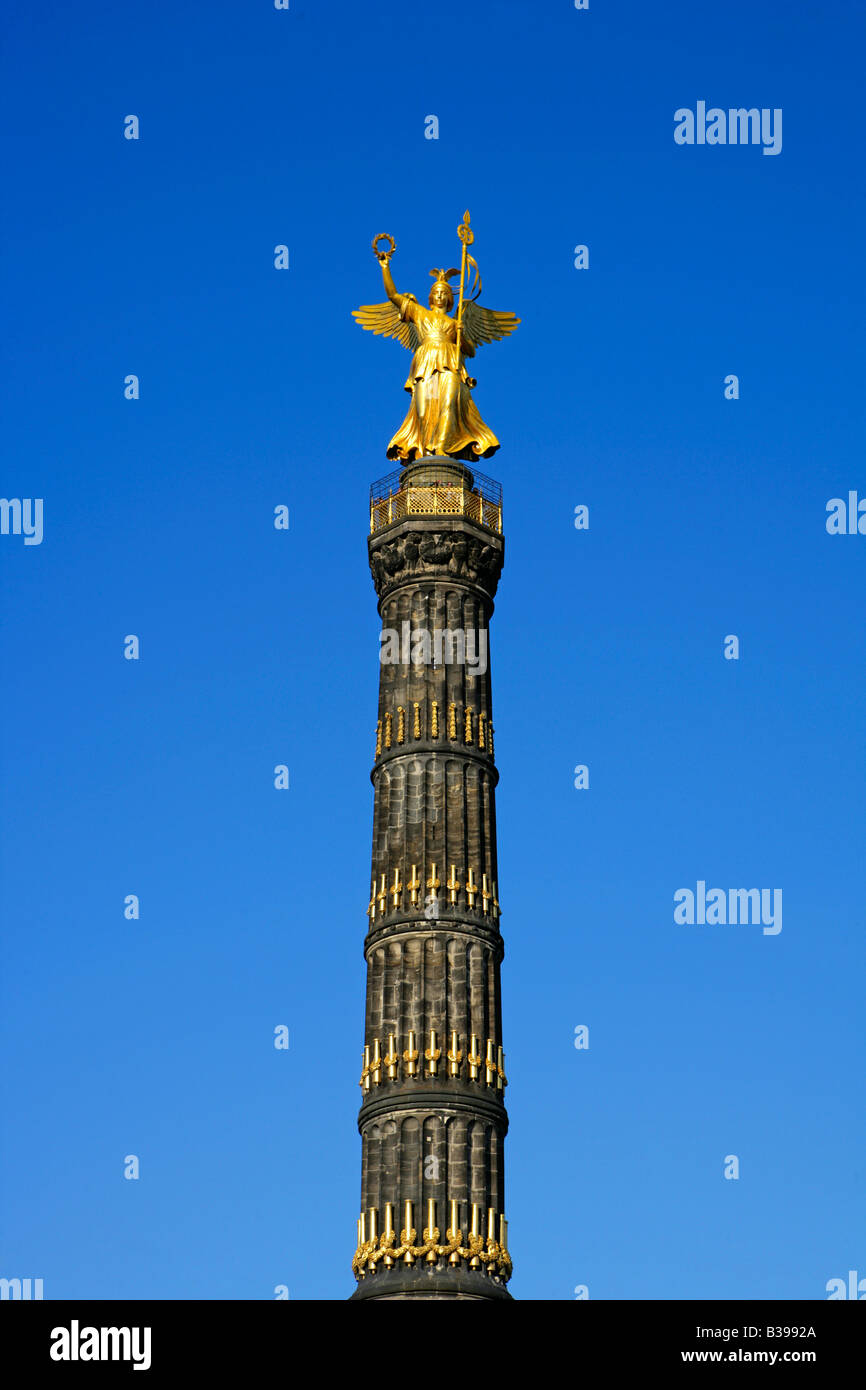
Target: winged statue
(442, 417)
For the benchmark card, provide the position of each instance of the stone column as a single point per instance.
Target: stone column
(433, 1119)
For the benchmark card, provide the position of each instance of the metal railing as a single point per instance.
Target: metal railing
(389, 502)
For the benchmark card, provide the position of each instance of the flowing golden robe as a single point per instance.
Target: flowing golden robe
(442, 418)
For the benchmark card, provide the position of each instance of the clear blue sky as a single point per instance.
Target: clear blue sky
(258, 647)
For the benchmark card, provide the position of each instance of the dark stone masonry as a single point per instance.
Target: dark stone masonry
(433, 1119)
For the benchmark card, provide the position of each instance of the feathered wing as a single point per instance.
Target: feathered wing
(487, 325)
(385, 321)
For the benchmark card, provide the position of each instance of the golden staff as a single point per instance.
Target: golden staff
(467, 236)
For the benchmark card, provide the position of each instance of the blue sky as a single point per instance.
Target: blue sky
(707, 517)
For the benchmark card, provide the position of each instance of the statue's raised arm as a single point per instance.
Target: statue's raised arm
(385, 320)
(384, 259)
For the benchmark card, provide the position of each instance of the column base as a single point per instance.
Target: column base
(421, 1281)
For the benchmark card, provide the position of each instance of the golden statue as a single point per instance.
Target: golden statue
(442, 418)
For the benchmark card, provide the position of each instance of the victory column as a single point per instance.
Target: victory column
(432, 1118)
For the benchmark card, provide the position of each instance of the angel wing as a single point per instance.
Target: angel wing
(385, 321)
(487, 325)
